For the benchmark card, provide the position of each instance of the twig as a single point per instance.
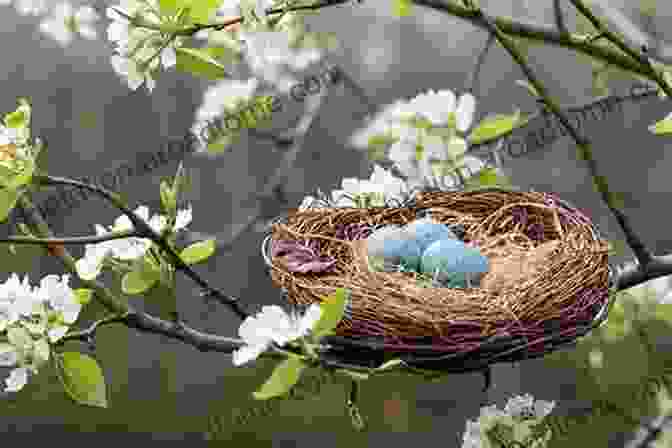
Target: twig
(560, 18)
(145, 231)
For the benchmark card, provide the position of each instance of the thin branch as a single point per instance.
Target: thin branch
(146, 231)
(643, 255)
(71, 240)
(648, 434)
(313, 104)
(473, 79)
(559, 18)
(637, 55)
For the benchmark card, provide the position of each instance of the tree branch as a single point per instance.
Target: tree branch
(71, 240)
(145, 231)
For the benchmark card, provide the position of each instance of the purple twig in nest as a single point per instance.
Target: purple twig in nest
(536, 231)
(520, 216)
(302, 258)
(353, 231)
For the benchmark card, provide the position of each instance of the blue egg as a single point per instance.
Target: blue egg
(453, 263)
(389, 247)
(425, 231)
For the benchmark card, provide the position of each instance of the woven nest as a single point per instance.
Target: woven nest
(548, 282)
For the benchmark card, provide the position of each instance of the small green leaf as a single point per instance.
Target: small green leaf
(663, 311)
(198, 252)
(201, 10)
(381, 140)
(144, 275)
(168, 198)
(647, 7)
(6, 348)
(20, 118)
(83, 295)
(41, 351)
(169, 6)
(199, 62)
(491, 128)
(82, 379)
(419, 152)
(285, 375)
(488, 177)
(402, 8)
(662, 127)
(8, 199)
(333, 308)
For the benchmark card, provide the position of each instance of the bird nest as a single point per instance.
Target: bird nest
(548, 283)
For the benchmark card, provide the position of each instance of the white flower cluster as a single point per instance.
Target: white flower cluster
(428, 128)
(272, 324)
(64, 22)
(28, 7)
(95, 255)
(377, 191)
(520, 415)
(30, 319)
(141, 51)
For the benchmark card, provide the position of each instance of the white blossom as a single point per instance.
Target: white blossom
(17, 379)
(382, 184)
(521, 414)
(90, 266)
(141, 51)
(31, 7)
(269, 55)
(60, 296)
(272, 324)
(64, 22)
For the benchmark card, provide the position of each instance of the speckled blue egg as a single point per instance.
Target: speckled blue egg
(455, 261)
(425, 231)
(393, 246)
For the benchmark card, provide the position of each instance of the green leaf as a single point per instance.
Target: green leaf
(199, 62)
(333, 308)
(663, 311)
(222, 144)
(8, 198)
(647, 7)
(168, 198)
(20, 118)
(201, 10)
(402, 8)
(198, 252)
(83, 295)
(491, 128)
(662, 127)
(6, 348)
(285, 375)
(82, 379)
(614, 327)
(144, 275)
(599, 85)
(169, 6)
(41, 351)
(488, 177)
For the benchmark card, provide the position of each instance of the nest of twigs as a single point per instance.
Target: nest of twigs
(548, 282)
